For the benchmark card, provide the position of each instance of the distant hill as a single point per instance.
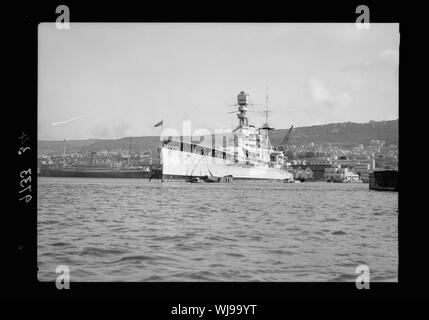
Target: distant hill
(347, 133)
(56, 146)
(137, 143)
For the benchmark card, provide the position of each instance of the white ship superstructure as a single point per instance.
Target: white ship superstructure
(249, 155)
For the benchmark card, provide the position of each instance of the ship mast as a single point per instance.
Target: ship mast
(64, 154)
(266, 126)
(266, 110)
(129, 152)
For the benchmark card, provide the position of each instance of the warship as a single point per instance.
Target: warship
(248, 155)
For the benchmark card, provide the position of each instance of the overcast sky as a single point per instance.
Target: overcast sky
(115, 80)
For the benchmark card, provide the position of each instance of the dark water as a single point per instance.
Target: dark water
(135, 230)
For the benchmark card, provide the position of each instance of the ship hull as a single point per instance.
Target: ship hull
(92, 173)
(181, 166)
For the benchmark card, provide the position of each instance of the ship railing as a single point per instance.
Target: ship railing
(214, 152)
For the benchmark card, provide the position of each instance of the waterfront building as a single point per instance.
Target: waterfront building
(305, 174)
(308, 173)
(363, 170)
(319, 171)
(313, 172)
(320, 161)
(341, 174)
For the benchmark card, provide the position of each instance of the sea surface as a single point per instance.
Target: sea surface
(136, 230)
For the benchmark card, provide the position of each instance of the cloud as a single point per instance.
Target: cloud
(390, 56)
(380, 67)
(110, 132)
(317, 91)
(73, 119)
(320, 95)
(386, 59)
(344, 99)
(324, 102)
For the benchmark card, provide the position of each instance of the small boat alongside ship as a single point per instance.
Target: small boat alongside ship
(218, 179)
(211, 179)
(294, 181)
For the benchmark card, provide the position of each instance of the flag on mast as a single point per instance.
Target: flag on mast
(159, 123)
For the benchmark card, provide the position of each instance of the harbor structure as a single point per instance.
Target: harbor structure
(384, 180)
(341, 174)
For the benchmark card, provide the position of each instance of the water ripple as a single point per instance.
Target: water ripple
(135, 230)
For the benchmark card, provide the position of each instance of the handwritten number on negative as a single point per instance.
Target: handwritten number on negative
(26, 172)
(22, 174)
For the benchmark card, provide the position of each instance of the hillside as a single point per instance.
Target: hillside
(347, 133)
(137, 143)
(56, 146)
